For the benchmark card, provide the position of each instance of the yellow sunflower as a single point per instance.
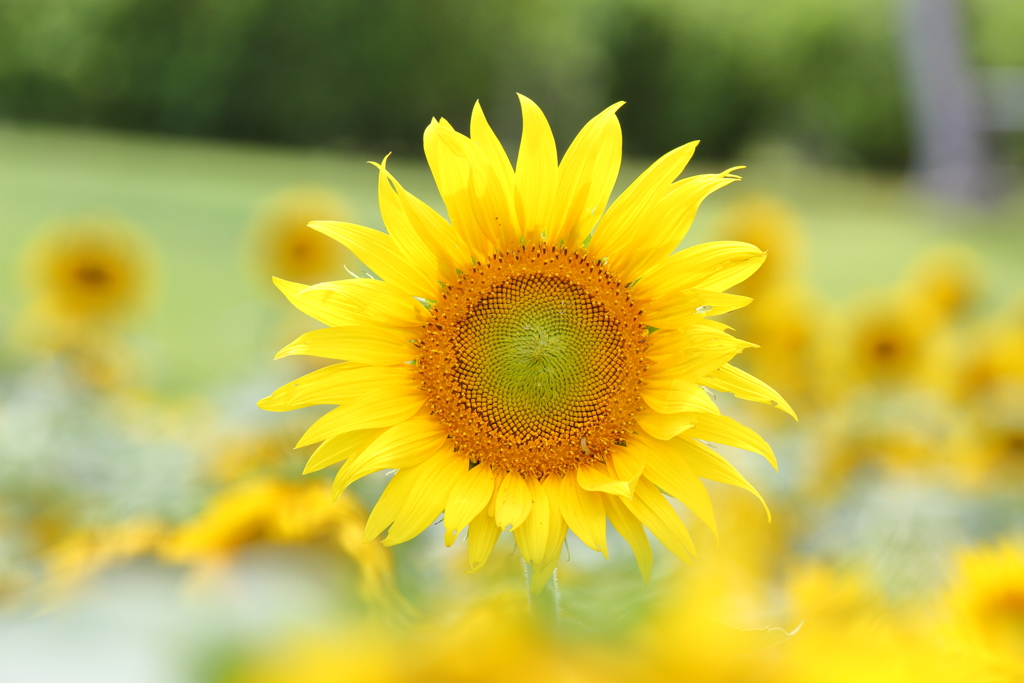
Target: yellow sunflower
(536, 363)
(290, 249)
(987, 605)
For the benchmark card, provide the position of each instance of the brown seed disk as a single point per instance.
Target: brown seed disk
(534, 360)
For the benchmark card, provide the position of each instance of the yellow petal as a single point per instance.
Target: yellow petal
(536, 172)
(356, 301)
(469, 497)
(664, 426)
(655, 513)
(389, 503)
(368, 345)
(743, 385)
(630, 528)
(625, 218)
(727, 431)
(672, 474)
(379, 408)
(381, 254)
(406, 238)
(586, 177)
(427, 496)
(668, 223)
(438, 234)
(689, 307)
(596, 477)
(713, 266)
(474, 195)
(628, 464)
(483, 533)
(452, 176)
(671, 396)
(557, 529)
(405, 445)
(480, 132)
(584, 512)
(512, 501)
(340, 448)
(340, 383)
(708, 464)
(532, 534)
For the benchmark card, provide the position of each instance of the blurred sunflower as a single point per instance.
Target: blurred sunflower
(947, 279)
(987, 606)
(289, 249)
(524, 366)
(89, 271)
(87, 278)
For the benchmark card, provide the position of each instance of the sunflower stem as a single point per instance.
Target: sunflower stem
(543, 605)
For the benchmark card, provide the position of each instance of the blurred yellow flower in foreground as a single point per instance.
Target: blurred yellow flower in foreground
(261, 510)
(987, 607)
(536, 364)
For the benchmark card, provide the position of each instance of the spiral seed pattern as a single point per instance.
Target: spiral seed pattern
(534, 360)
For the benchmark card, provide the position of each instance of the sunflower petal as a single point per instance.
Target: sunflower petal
(668, 223)
(536, 172)
(708, 464)
(368, 345)
(584, 512)
(426, 499)
(469, 497)
(596, 477)
(380, 408)
(625, 218)
(512, 501)
(480, 132)
(630, 528)
(673, 475)
(689, 307)
(651, 508)
(401, 229)
(727, 431)
(405, 445)
(532, 534)
(714, 266)
(380, 253)
(588, 172)
(483, 534)
(743, 385)
(341, 447)
(389, 503)
(340, 383)
(664, 426)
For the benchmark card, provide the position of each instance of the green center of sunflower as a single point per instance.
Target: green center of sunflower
(538, 356)
(534, 360)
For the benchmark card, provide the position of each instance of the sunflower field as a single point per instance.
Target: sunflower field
(310, 370)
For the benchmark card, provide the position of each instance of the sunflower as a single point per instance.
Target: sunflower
(536, 363)
(90, 271)
(87, 277)
(987, 605)
(293, 251)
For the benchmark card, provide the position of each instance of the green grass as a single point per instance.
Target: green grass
(214, 321)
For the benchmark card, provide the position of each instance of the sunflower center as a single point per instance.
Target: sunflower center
(534, 360)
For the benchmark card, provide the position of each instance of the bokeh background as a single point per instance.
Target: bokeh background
(158, 162)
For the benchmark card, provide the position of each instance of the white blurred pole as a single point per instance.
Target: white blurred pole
(950, 151)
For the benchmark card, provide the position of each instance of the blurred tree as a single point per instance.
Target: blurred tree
(351, 72)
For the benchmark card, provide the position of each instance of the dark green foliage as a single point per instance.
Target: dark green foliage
(825, 75)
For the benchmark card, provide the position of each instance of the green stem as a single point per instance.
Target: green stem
(543, 605)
